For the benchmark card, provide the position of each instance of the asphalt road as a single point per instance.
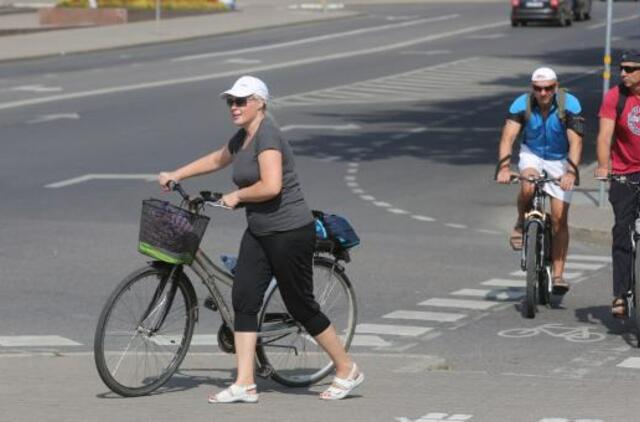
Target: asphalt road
(394, 117)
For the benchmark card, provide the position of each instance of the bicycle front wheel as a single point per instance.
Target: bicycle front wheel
(295, 358)
(531, 254)
(635, 285)
(144, 331)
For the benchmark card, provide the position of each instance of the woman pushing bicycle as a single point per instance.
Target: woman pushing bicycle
(278, 242)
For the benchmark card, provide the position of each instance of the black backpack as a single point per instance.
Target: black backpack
(622, 100)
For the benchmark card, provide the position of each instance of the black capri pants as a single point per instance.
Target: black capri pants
(289, 257)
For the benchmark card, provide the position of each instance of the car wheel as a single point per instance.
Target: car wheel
(514, 23)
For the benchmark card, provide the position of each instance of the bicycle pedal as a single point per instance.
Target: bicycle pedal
(209, 303)
(264, 371)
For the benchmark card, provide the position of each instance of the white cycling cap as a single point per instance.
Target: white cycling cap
(247, 86)
(542, 74)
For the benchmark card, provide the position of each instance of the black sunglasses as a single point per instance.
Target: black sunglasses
(629, 69)
(544, 88)
(238, 101)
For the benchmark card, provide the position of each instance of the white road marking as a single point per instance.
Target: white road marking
(313, 39)
(350, 126)
(397, 211)
(422, 218)
(364, 340)
(567, 275)
(88, 177)
(382, 204)
(614, 21)
(633, 362)
(52, 117)
(243, 61)
(395, 330)
(582, 266)
(350, 178)
(36, 341)
(368, 197)
(425, 316)
(458, 303)
(456, 226)
(196, 340)
(37, 88)
(496, 294)
(486, 36)
(501, 282)
(426, 53)
(597, 258)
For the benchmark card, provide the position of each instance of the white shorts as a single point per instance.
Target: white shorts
(554, 168)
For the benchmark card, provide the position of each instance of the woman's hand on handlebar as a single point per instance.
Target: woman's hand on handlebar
(601, 173)
(164, 178)
(231, 199)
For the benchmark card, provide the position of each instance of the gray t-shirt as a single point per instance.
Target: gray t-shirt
(288, 210)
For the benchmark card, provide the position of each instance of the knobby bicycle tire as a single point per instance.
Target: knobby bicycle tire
(531, 262)
(295, 359)
(124, 348)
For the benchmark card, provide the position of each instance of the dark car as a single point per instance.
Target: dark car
(561, 12)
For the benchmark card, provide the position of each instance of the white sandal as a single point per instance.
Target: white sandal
(235, 393)
(341, 387)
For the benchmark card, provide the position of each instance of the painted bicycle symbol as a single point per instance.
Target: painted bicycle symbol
(574, 334)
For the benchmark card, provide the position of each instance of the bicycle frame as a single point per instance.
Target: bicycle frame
(537, 215)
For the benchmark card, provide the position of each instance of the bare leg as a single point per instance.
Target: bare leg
(245, 344)
(560, 231)
(526, 193)
(329, 341)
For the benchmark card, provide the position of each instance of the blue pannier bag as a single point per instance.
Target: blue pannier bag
(336, 228)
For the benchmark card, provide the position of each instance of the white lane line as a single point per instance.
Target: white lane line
(425, 53)
(397, 211)
(458, 303)
(501, 282)
(422, 218)
(614, 21)
(251, 70)
(313, 39)
(496, 294)
(486, 36)
(368, 197)
(243, 61)
(425, 316)
(630, 363)
(52, 117)
(350, 126)
(87, 177)
(395, 330)
(37, 88)
(487, 231)
(196, 340)
(568, 275)
(582, 266)
(36, 341)
(456, 226)
(365, 340)
(597, 258)
(382, 204)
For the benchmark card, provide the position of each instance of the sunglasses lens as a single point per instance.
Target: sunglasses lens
(543, 88)
(239, 102)
(629, 69)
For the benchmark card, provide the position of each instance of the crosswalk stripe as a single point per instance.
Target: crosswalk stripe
(396, 330)
(425, 316)
(630, 363)
(458, 303)
(36, 341)
(582, 266)
(597, 258)
(196, 340)
(501, 282)
(364, 340)
(496, 294)
(568, 275)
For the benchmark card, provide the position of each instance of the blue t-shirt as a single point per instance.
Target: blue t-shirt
(545, 137)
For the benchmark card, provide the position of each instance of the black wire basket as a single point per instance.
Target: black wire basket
(169, 233)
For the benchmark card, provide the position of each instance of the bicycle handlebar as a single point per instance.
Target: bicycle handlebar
(205, 198)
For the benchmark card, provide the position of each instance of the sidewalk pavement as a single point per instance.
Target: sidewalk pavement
(587, 220)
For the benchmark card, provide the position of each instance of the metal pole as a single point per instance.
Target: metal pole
(606, 78)
(158, 16)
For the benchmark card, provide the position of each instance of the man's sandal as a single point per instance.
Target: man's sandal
(236, 393)
(619, 308)
(341, 387)
(515, 240)
(560, 286)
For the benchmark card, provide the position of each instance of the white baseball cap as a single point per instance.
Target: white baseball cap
(247, 86)
(542, 74)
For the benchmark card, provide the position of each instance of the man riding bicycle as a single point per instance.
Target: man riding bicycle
(620, 118)
(552, 125)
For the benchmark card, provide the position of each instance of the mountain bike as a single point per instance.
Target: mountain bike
(146, 326)
(632, 297)
(535, 257)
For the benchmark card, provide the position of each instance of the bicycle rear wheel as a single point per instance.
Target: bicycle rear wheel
(295, 358)
(531, 262)
(144, 331)
(635, 290)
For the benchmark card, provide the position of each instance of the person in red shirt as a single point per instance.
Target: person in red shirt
(619, 140)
